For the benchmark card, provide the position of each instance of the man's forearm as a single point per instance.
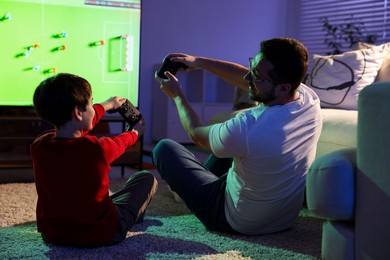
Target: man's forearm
(231, 72)
(192, 124)
(188, 117)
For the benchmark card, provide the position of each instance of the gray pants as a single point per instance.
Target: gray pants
(131, 201)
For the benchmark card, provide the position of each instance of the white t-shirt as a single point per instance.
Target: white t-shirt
(272, 149)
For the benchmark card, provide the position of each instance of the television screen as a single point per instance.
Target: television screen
(95, 39)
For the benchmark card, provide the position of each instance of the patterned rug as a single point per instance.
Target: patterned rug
(169, 231)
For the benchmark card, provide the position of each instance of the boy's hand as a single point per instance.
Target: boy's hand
(140, 127)
(113, 103)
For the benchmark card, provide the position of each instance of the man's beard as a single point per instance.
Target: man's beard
(256, 96)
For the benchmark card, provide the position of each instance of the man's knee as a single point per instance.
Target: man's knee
(161, 150)
(164, 144)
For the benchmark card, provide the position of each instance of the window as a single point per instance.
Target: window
(373, 13)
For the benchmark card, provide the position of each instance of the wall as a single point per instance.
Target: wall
(221, 29)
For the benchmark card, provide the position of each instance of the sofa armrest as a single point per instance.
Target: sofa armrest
(373, 176)
(330, 185)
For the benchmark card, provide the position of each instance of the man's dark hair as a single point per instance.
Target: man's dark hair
(57, 96)
(289, 59)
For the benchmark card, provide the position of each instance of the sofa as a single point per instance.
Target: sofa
(350, 188)
(348, 184)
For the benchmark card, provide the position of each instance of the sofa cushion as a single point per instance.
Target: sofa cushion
(338, 79)
(330, 185)
(339, 130)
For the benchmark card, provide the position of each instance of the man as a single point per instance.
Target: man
(255, 179)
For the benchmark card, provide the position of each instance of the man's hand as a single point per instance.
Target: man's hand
(171, 86)
(186, 59)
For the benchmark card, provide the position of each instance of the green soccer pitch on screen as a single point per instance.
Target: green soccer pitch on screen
(97, 40)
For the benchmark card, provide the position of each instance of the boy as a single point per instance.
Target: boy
(71, 169)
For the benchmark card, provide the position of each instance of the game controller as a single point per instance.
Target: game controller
(129, 113)
(170, 66)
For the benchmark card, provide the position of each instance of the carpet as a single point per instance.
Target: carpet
(169, 231)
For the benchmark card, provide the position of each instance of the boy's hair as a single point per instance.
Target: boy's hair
(57, 96)
(289, 59)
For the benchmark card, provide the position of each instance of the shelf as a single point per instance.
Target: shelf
(20, 131)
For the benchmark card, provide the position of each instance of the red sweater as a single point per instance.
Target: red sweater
(71, 178)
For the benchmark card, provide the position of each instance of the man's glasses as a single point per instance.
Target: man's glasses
(255, 79)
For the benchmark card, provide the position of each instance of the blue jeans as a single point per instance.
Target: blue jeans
(202, 187)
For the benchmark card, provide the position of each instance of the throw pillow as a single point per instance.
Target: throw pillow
(338, 79)
(384, 71)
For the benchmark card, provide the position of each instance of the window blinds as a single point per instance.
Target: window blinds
(373, 13)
